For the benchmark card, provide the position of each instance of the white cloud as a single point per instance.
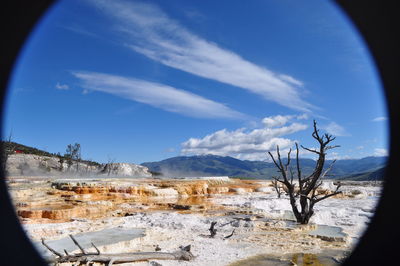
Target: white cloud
(335, 129)
(243, 144)
(62, 86)
(381, 152)
(276, 121)
(156, 95)
(379, 118)
(280, 120)
(302, 117)
(149, 31)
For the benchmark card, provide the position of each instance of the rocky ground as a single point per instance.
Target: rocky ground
(170, 213)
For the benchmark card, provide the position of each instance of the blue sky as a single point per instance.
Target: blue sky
(139, 81)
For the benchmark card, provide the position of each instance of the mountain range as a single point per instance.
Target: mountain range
(368, 168)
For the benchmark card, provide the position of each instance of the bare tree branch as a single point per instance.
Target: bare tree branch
(228, 236)
(288, 157)
(330, 195)
(77, 244)
(315, 133)
(310, 150)
(307, 197)
(329, 138)
(291, 175)
(51, 250)
(280, 162)
(327, 196)
(277, 179)
(298, 165)
(98, 251)
(328, 169)
(273, 159)
(276, 186)
(331, 147)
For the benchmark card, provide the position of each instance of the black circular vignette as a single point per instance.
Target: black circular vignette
(19, 18)
(377, 22)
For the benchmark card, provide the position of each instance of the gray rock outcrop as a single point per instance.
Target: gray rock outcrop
(125, 169)
(29, 164)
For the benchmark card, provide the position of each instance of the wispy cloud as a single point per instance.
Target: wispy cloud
(80, 30)
(291, 80)
(194, 14)
(149, 31)
(242, 143)
(22, 90)
(335, 129)
(379, 119)
(157, 95)
(60, 86)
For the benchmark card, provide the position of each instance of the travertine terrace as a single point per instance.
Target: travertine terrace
(47, 200)
(259, 222)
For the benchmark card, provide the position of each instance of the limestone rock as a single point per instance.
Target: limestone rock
(164, 192)
(126, 169)
(240, 190)
(30, 164)
(264, 189)
(329, 233)
(217, 190)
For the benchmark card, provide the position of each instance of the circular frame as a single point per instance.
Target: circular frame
(377, 21)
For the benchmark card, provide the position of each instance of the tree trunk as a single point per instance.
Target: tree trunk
(293, 204)
(90, 257)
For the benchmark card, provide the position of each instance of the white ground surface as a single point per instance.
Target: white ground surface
(170, 230)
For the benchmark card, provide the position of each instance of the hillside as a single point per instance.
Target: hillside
(13, 146)
(355, 166)
(208, 165)
(23, 160)
(376, 175)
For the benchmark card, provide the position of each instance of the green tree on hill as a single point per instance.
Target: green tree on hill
(73, 153)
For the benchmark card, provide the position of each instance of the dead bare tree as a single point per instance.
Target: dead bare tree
(86, 258)
(277, 188)
(306, 188)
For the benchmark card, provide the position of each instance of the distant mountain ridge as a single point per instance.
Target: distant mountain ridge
(207, 165)
(368, 168)
(376, 175)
